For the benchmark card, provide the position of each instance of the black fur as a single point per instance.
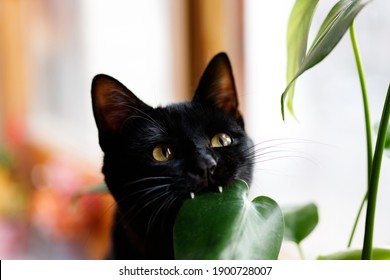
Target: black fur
(149, 193)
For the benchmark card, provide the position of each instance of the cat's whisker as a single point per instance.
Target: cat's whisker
(257, 153)
(142, 207)
(149, 179)
(285, 141)
(274, 172)
(146, 191)
(146, 181)
(277, 143)
(168, 201)
(145, 195)
(283, 157)
(146, 200)
(139, 200)
(156, 197)
(281, 146)
(272, 153)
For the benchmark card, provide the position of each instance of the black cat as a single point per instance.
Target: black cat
(155, 158)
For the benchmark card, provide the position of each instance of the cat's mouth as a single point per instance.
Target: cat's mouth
(205, 190)
(192, 194)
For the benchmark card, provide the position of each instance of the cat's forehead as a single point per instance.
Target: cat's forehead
(191, 116)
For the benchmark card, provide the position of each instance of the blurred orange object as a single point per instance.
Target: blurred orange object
(87, 223)
(37, 217)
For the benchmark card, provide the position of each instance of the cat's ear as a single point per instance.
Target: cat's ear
(113, 104)
(216, 86)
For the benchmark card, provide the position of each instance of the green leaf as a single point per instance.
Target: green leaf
(378, 254)
(373, 185)
(102, 188)
(330, 33)
(297, 35)
(5, 159)
(228, 225)
(299, 222)
(387, 141)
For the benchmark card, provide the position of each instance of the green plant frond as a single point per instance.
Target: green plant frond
(337, 22)
(228, 225)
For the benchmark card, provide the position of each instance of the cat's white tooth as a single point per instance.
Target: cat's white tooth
(192, 195)
(220, 189)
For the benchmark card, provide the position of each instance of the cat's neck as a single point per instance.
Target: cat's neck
(135, 242)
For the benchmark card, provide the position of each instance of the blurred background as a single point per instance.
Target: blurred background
(51, 49)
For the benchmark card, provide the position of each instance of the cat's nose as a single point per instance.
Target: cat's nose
(206, 165)
(211, 165)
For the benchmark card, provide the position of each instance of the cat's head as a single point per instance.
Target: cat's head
(184, 148)
(154, 158)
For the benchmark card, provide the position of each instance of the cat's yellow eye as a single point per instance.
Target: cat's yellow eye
(221, 140)
(162, 152)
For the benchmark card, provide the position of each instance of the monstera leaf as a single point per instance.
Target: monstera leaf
(228, 225)
(299, 222)
(331, 31)
(297, 36)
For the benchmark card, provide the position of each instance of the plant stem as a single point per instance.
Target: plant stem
(374, 180)
(367, 122)
(357, 220)
(300, 251)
